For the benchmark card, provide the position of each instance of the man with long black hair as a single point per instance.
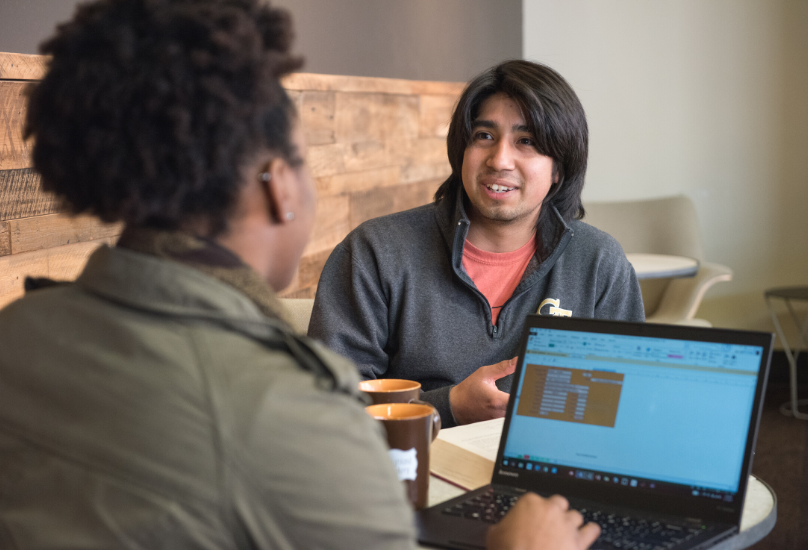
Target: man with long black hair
(439, 294)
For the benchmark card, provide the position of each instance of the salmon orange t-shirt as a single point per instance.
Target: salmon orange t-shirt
(497, 274)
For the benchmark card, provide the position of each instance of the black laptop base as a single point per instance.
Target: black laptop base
(445, 525)
(440, 529)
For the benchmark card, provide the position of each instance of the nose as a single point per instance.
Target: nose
(502, 156)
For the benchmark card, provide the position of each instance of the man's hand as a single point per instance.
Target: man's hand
(536, 523)
(477, 397)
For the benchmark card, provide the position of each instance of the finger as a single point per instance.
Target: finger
(575, 518)
(503, 368)
(588, 534)
(561, 502)
(531, 499)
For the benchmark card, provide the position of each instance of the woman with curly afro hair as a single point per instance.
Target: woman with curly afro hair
(162, 400)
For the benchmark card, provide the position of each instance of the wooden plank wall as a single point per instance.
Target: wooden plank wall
(376, 146)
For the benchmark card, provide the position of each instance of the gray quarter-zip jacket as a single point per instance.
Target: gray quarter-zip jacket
(395, 298)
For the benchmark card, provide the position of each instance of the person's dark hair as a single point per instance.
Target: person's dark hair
(553, 114)
(151, 108)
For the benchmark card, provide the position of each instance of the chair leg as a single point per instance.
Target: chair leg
(791, 408)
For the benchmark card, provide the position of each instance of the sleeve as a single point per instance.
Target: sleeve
(350, 314)
(439, 398)
(315, 473)
(620, 298)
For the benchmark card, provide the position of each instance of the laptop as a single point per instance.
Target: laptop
(649, 430)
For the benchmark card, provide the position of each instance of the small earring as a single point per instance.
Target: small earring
(290, 216)
(266, 176)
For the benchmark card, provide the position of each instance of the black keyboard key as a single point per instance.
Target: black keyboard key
(489, 507)
(628, 533)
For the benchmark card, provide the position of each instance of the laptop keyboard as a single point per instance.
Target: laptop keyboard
(490, 506)
(617, 531)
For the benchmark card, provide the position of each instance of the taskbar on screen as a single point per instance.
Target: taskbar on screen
(661, 487)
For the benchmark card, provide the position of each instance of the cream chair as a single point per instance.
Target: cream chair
(300, 310)
(662, 226)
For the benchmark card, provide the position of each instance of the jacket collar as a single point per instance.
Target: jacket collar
(146, 282)
(168, 288)
(554, 236)
(207, 256)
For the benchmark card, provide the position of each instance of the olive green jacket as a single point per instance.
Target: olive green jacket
(149, 406)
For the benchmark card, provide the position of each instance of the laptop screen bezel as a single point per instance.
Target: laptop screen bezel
(628, 497)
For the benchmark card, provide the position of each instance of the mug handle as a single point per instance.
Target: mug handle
(436, 423)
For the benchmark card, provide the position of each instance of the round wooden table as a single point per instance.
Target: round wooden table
(662, 266)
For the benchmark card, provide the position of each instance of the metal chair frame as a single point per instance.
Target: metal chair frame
(790, 408)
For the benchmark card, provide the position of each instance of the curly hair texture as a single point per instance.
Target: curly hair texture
(553, 114)
(150, 109)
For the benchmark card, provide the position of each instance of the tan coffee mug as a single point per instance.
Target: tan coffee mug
(391, 390)
(410, 427)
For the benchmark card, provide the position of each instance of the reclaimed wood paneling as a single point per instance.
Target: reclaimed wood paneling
(379, 202)
(331, 225)
(317, 110)
(14, 151)
(20, 66)
(59, 263)
(425, 150)
(375, 117)
(310, 268)
(365, 155)
(436, 113)
(376, 146)
(359, 84)
(5, 240)
(16, 66)
(414, 173)
(327, 160)
(21, 195)
(29, 234)
(419, 159)
(353, 182)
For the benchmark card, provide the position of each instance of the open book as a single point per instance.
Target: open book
(465, 455)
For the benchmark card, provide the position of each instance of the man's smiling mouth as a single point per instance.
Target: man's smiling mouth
(499, 188)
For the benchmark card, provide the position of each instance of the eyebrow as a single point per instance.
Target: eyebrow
(490, 124)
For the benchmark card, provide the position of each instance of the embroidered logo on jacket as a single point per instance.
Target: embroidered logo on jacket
(554, 308)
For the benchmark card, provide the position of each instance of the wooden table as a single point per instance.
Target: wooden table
(757, 520)
(662, 266)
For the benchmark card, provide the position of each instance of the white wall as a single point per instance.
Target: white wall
(703, 97)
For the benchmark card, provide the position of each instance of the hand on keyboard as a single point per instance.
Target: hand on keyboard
(536, 523)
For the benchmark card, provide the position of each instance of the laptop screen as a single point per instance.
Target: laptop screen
(660, 414)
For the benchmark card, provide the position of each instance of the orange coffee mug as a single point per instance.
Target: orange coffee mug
(410, 427)
(391, 390)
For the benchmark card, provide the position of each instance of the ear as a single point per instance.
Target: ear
(276, 185)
